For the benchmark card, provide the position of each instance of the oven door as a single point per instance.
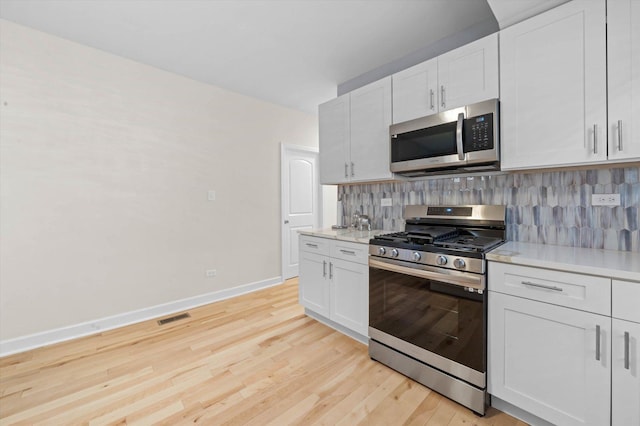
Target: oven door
(437, 317)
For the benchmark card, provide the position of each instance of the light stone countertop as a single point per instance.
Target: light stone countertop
(622, 265)
(347, 234)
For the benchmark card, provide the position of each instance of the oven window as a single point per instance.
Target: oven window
(434, 141)
(439, 317)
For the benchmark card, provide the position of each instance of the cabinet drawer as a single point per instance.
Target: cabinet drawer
(626, 300)
(315, 245)
(584, 292)
(351, 252)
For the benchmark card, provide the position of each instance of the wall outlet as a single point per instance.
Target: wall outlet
(605, 199)
(386, 202)
(211, 195)
(210, 273)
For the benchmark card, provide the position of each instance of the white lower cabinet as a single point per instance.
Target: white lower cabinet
(549, 339)
(625, 374)
(564, 347)
(349, 295)
(550, 361)
(625, 358)
(334, 281)
(314, 291)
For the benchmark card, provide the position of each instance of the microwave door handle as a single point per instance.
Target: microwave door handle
(459, 136)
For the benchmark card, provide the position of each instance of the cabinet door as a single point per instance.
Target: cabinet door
(350, 295)
(469, 73)
(314, 283)
(543, 359)
(623, 38)
(625, 374)
(415, 91)
(333, 119)
(370, 120)
(553, 87)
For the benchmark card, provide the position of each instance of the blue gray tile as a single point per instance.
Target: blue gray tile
(544, 207)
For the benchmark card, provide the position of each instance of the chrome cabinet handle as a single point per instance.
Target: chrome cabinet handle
(595, 138)
(311, 245)
(431, 99)
(324, 269)
(442, 95)
(352, 253)
(619, 135)
(346, 170)
(546, 287)
(352, 170)
(626, 350)
(597, 343)
(330, 270)
(459, 136)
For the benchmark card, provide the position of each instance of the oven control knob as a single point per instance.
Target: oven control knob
(416, 256)
(441, 260)
(459, 263)
(382, 251)
(394, 253)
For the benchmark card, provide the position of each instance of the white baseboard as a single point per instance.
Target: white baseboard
(50, 337)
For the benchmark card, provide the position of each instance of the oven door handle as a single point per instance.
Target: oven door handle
(448, 277)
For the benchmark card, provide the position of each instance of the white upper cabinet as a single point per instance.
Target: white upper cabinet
(334, 130)
(370, 121)
(460, 77)
(354, 135)
(415, 91)
(553, 88)
(623, 38)
(469, 74)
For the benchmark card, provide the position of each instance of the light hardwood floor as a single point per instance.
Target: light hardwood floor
(254, 359)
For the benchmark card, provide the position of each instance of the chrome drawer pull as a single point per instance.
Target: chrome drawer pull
(546, 287)
(619, 135)
(311, 245)
(597, 343)
(626, 350)
(352, 253)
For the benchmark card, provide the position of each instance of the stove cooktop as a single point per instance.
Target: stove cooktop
(438, 238)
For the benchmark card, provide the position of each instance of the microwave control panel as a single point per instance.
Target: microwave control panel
(478, 133)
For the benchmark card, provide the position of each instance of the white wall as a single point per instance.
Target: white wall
(105, 165)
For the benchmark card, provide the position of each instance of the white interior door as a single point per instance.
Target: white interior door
(301, 201)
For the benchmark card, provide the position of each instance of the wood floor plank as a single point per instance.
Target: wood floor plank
(254, 359)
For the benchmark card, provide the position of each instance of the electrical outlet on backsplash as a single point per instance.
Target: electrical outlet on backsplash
(551, 207)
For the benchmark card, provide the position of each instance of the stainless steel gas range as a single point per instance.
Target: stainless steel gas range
(428, 300)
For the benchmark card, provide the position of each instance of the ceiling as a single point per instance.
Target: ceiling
(289, 52)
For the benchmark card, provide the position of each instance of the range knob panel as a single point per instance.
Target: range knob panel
(394, 253)
(459, 263)
(382, 251)
(416, 256)
(441, 260)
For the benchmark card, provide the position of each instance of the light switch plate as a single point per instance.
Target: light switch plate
(605, 199)
(211, 195)
(386, 202)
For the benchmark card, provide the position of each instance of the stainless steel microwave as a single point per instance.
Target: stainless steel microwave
(460, 140)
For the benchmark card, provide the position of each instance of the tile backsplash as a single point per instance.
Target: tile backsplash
(545, 207)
